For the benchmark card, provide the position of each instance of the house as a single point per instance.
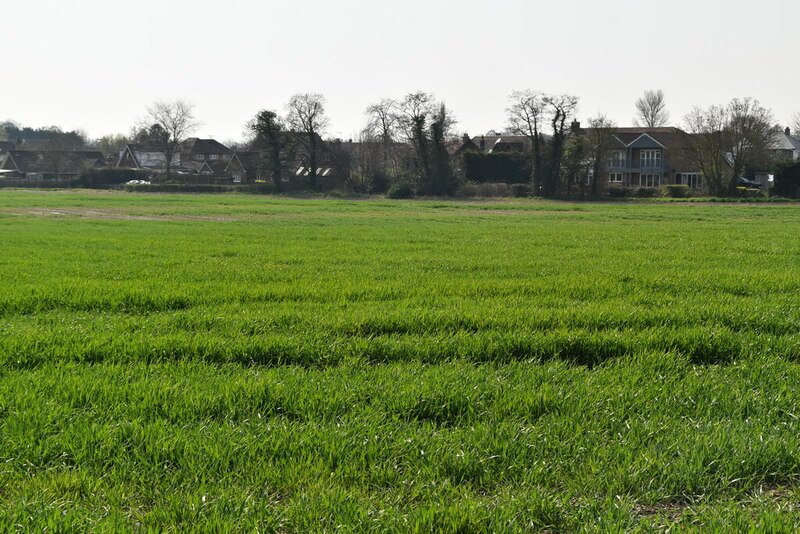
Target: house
(144, 156)
(195, 150)
(50, 164)
(785, 146)
(189, 158)
(492, 142)
(247, 167)
(647, 157)
(5, 146)
(295, 161)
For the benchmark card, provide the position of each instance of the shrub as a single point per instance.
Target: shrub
(508, 167)
(646, 192)
(521, 190)
(471, 189)
(400, 190)
(787, 180)
(468, 189)
(619, 192)
(675, 191)
(495, 190)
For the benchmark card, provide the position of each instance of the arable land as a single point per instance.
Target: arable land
(249, 363)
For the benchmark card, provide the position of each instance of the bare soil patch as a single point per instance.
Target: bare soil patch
(110, 214)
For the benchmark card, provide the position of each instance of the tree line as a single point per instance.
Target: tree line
(405, 141)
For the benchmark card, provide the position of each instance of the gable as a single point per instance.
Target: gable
(645, 141)
(127, 158)
(8, 163)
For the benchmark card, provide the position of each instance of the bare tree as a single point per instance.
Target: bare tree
(526, 114)
(382, 128)
(651, 110)
(382, 120)
(723, 140)
(306, 113)
(176, 119)
(795, 125)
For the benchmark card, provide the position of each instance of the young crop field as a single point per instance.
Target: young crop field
(257, 364)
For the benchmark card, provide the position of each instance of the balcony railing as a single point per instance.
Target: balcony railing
(638, 165)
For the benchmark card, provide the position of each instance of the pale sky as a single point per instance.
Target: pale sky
(97, 64)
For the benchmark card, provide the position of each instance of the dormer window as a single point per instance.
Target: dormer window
(199, 157)
(213, 156)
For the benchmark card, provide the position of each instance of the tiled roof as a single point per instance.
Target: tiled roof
(66, 162)
(783, 141)
(193, 145)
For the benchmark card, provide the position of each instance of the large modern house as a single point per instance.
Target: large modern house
(648, 157)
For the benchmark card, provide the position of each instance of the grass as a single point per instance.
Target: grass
(240, 363)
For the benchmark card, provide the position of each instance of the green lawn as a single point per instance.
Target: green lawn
(247, 363)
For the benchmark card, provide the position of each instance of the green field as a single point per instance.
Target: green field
(247, 363)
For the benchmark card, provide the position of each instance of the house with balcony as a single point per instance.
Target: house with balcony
(648, 157)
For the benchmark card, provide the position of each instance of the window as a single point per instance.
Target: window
(213, 156)
(651, 159)
(617, 159)
(649, 180)
(199, 157)
(237, 178)
(615, 177)
(692, 179)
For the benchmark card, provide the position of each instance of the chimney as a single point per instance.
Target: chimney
(575, 126)
(483, 143)
(787, 131)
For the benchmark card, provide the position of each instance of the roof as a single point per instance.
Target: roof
(6, 145)
(137, 147)
(134, 149)
(249, 159)
(502, 143)
(293, 139)
(63, 161)
(194, 145)
(664, 136)
(783, 141)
